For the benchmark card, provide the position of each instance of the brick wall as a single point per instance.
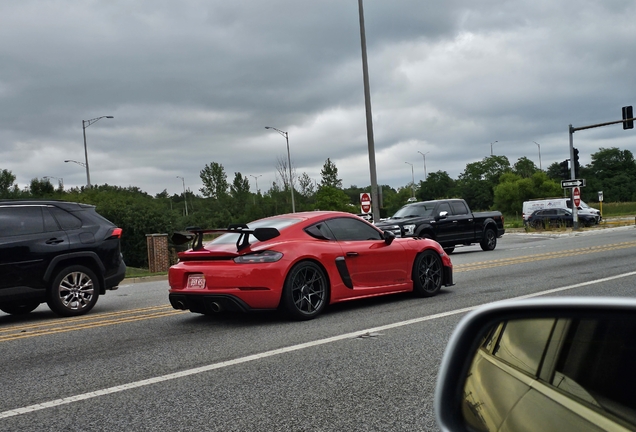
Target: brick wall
(158, 254)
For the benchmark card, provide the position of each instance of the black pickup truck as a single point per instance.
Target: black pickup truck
(450, 222)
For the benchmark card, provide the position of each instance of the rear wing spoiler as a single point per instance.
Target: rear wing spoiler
(195, 234)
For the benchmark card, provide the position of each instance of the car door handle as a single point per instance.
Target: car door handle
(352, 254)
(54, 241)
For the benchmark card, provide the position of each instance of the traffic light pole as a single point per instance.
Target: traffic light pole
(627, 124)
(575, 210)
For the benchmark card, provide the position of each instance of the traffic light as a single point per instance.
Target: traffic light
(564, 170)
(628, 113)
(576, 162)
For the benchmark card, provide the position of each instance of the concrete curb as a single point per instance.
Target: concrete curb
(133, 280)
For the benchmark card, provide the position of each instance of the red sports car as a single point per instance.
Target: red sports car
(301, 262)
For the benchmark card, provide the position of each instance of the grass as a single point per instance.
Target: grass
(617, 209)
(132, 272)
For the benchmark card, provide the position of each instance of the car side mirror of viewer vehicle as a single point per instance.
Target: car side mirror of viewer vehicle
(558, 364)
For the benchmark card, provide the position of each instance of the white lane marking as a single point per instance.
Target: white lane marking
(253, 357)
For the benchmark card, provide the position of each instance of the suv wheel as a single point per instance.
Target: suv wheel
(74, 291)
(19, 308)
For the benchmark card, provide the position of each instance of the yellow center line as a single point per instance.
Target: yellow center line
(24, 331)
(50, 331)
(540, 257)
(81, 319)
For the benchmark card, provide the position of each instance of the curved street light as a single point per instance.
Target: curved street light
(82, 164)
(256, 180)
(424, 156)
(291, 180)
(491, 146)
(412, 179)
(184, 195)
(85, 124)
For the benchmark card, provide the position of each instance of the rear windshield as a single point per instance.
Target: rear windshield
(278, 223)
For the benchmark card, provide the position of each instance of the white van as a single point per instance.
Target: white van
(540, 204)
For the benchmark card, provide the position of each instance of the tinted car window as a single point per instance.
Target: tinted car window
(49, 222)
(348, 229)
(459, 208)
(523, 343)
(444, 207)
(20, 221)
(67, 221)
(320, 231)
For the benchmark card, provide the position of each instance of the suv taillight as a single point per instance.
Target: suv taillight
(116, 233)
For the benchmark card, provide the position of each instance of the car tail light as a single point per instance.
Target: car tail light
(259, 257)
(116, 233)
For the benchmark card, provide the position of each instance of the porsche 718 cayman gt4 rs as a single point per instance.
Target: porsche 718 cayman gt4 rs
(302, 262)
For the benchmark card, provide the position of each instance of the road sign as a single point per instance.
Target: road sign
(573, 183)
(600, 196)
(365, 202)
(576, 196)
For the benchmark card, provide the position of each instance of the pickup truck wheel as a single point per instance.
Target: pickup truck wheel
(427, 274)
(489, 242)
(74, 291)
(19, 308)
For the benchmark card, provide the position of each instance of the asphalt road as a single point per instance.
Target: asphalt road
(134, 363)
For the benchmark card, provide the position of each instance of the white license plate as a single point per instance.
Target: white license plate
(196, 281)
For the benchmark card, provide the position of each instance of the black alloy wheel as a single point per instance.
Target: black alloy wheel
(428, 273)
(489, 242)
(306, 291)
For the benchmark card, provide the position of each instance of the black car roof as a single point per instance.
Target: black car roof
(67, 205)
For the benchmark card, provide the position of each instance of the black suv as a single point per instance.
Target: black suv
(61, 253)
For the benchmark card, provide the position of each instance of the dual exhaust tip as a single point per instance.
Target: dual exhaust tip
(214, 306)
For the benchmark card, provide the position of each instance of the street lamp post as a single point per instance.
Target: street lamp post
(538, 145)
(185, 203)
(491, 147)
(256, 180)
(424, 156)
(291, 180)
(412, 180)
(85, 124)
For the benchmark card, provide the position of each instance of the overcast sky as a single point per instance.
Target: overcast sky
(193, 82)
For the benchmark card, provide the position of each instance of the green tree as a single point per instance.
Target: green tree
(612, 171)
(438, 185)
(214, 180)
(7, 187)
(329, 174)
(332, 198)
(477, 183)
(240, 193)
(524, 167)
(513, 190)
(41, 188)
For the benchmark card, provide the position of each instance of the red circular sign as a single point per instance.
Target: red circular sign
(365, 202)
(576, 195)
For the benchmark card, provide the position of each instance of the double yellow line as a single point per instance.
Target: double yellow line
(540, 257)
(95, 320)
(23, 331)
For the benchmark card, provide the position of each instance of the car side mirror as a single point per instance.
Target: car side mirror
(442, 215)
(388, 237)
(557, 364)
